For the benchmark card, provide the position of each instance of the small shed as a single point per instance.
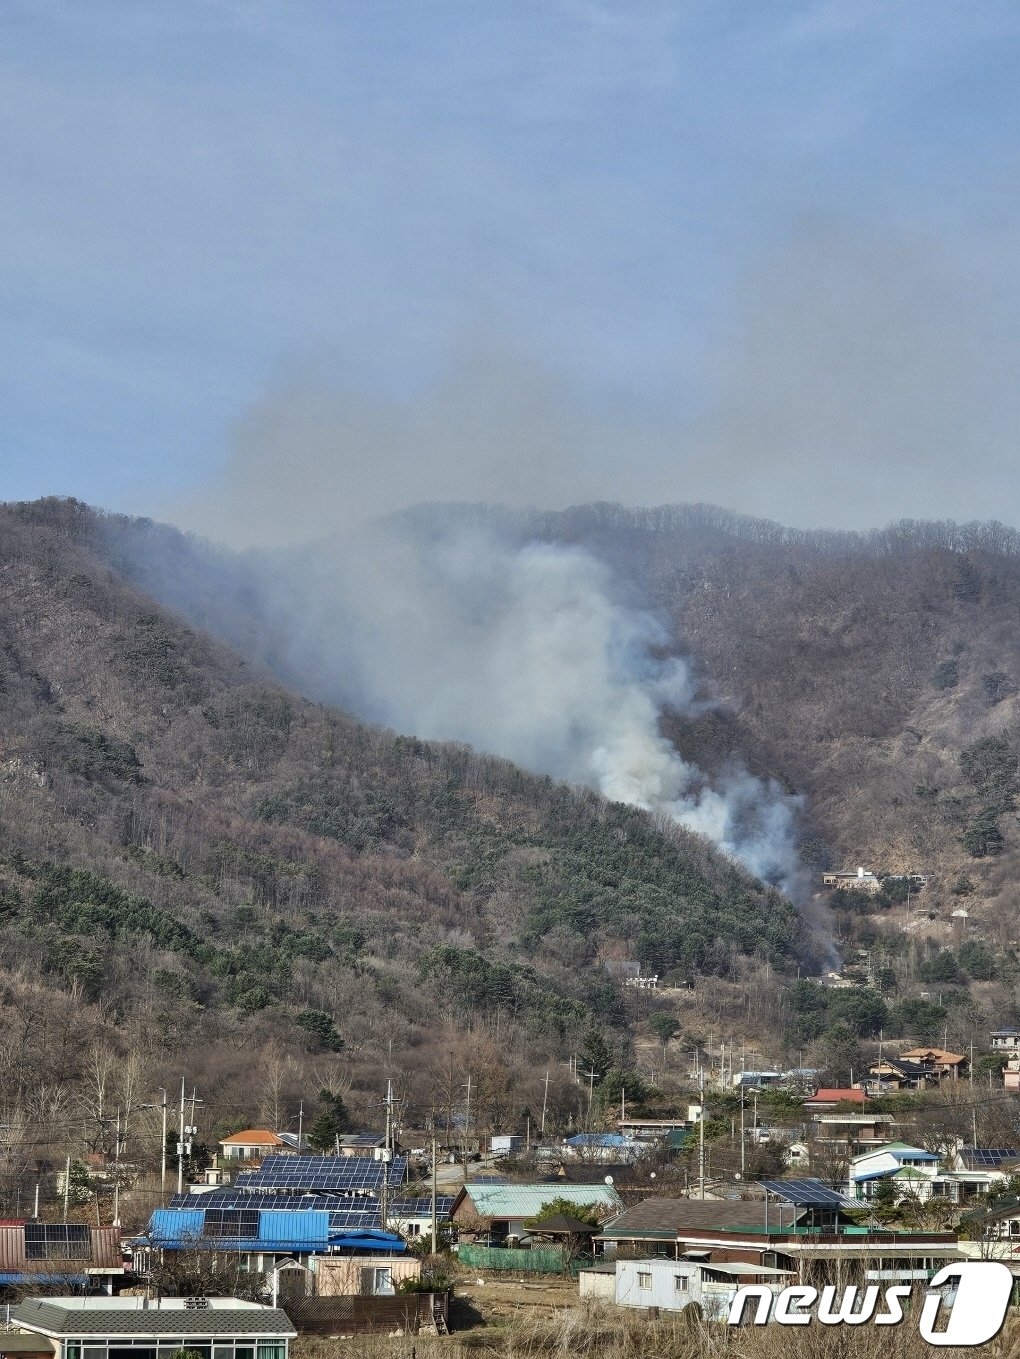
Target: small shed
(598, 1281)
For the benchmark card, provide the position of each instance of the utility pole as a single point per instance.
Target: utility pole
(743, 1103)
(591, 1090)
(435, 1222)
(116, 1176)
(386, 1158)
(67, 1184)
(187, 1132)
(180, 1146)
(301, 1126)
(162, 1159)
(545, 1101)
(701, 1134)
(467, 1122)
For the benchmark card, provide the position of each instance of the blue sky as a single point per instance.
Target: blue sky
(763, 253)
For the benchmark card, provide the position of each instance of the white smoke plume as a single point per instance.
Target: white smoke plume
(450, 630)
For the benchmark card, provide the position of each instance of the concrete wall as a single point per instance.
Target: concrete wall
(597, 1283)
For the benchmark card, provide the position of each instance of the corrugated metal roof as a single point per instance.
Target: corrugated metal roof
(525, 1200)
(284, 1230)
(175, 1224)
(306, 1224)
(103, 1252)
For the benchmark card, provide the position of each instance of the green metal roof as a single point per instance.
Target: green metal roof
(525, 1200)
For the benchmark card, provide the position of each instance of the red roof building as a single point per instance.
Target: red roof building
(829, 1098)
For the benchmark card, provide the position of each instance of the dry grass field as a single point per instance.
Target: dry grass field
(547, 1321)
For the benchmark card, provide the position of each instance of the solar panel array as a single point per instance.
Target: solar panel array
(318, 1174)
(57, 1241)
(808, 1193)
(345, 1213)
(990, 1158)
(422, 1207)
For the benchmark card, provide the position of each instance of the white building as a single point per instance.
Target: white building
(101, 1328)
(672, 1285)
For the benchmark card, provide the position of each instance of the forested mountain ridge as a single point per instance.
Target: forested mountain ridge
(878, 674)
(200, 870)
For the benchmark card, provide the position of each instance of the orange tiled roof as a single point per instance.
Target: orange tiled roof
(933, 1054)
(254, 1137)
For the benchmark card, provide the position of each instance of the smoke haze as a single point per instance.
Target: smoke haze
(859, 379)
(449, 624)
(852, 377)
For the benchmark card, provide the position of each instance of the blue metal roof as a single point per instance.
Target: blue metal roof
(49, 1280)
(606, 1139)
(278, 1230)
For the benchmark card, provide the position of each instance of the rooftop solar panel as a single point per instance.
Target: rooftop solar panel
(990, 1157)
(321, 1173)
(422, 1207)
(807, 1193)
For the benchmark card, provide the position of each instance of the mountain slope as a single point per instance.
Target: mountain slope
(197, 863)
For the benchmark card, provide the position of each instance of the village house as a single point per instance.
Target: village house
(911, 1170)
(672, 1285)
(602, 1146)
(59, 1255)
(830, 1098)
(898, 1073)
(357, 1275)
(861, 881)
(1005, 1040)
(999, 1223)
(915, 1173)
(941, 1062)
(256, 1143)
(499, 1212)
(1001, 1162)
(140, 1328)
(850, 1134)
(799, 1227)
(260, 1239)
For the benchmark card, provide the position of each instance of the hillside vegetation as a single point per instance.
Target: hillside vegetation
(203, 873)
(876, 675)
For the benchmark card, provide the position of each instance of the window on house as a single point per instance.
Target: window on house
(376, 1280)
(57, 1241)
(682, 1283)
(644, 1280)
